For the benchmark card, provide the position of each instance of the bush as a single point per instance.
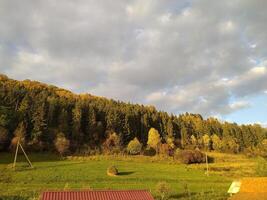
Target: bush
(262, 167)
(19, 135)
(134, 147)
(150, 152)
(190, 156)
(87, 150)
(163, 189)
(62, 144)
(112, 143)
(3, 138)
(166, 149)
(112, 171)
(36, 146)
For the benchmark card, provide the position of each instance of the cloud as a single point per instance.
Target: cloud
(263, 124)
(188, 55)
(250, 82)
(239, 105)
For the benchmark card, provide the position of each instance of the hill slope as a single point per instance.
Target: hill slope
(38, 112)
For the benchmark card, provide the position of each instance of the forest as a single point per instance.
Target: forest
(40, 114)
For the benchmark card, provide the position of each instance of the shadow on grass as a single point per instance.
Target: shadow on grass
(125, 173)
(27, 168)
(200, 195)
(8, 157)
(183, 195)
(13, 198)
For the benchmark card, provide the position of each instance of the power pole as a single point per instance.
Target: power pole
(207, 164)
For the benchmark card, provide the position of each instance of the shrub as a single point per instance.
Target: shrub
(166, 149)
(35, 145)
(150, 152)
(62, 144)
(19, 135)
(263, 148)
(163, 189)
(112, 142)
(190, 156)
(87, 150)
(262, 167)
(134, 147)
(112, 171)
(3, 138)
(187, 192)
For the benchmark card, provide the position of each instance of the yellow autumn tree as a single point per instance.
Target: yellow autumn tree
(216, 143)
(206, 141)
(154, 139)
(134, 147)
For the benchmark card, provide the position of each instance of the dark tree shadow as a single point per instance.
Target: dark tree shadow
(183, 195)
(125, 173)
(13, 198)
(8, 157)
(25, 167)
(210, 159)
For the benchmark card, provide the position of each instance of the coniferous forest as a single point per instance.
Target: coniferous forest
(38, 114)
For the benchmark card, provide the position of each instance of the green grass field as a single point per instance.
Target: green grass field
(52, 173)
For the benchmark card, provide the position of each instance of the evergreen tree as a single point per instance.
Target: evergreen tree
(46, 110)
(170, 128)
(77, 134)
(92, 123)
(39, 123)
(63, 123)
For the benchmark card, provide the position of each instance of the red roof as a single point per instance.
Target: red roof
(98, 195)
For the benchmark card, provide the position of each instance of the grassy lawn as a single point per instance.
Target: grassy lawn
(50, 173)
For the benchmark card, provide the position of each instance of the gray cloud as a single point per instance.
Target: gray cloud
(181, 56)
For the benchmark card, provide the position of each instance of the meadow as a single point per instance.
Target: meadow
(52, 172)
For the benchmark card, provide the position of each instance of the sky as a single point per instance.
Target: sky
(198, 56)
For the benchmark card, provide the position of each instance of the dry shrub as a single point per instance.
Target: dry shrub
(190, 156)
(166, 149)
(62, 144)
(163, 189)
(112, 143)
(19, 135)
(14, 142)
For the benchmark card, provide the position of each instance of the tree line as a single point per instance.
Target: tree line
(38, 113)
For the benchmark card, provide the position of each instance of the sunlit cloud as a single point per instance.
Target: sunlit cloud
(180, 56)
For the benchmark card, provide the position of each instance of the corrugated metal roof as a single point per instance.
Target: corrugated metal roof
(252, 188)
(97, 195)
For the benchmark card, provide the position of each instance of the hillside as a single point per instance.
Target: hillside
(38, 112)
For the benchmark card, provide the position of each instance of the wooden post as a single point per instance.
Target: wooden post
(207, 164)
(26, 156)
(16, 154)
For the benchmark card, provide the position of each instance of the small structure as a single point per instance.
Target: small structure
(234, 188)
(97, 195)
(16, 155)
(250, 189)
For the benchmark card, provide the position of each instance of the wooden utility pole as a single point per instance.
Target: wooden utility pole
(16, 155)
(207, 164)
